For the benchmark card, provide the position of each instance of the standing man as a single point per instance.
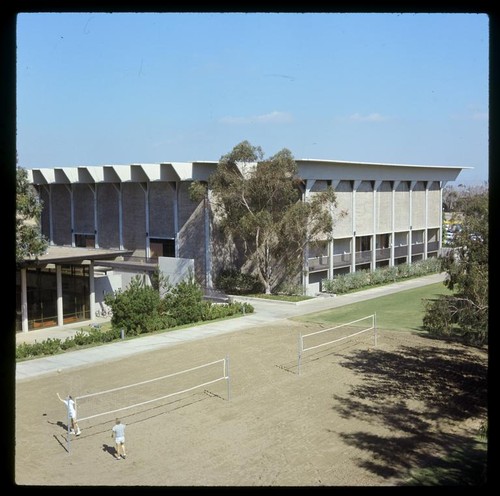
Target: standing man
(70, 405)
(118, 432)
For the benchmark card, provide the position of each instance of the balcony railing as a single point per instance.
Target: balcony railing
(383, 253)
(363, 256)
(345, 259)
(433, 246)
(417, 248)
(400, 251)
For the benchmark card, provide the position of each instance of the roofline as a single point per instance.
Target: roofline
(196, 171)
(383, 164)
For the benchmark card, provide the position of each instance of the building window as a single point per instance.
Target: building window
(85, 240)
(383, 241)
(162, 247)
(363, 243)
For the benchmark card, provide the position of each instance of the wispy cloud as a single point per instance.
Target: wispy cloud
(274, 117)
(374, 117)
(479, 116)
(476, 114)
(284, 76)
(472, 113)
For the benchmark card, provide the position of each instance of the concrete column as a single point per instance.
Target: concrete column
(93, 188)
(175, 205)
(331, 243)
(60, 311)
(120, 214)
(24, 301)
(440, 234)
(48, 189)
(410, 236)
(376, 185)
(92, 291)
(305, 271)
(395, 185)
(145, 188)
(355, 185)
(330, 258)
(69, 187)
(426, 219)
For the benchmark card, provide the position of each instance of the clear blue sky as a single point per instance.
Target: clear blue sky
(97, 89)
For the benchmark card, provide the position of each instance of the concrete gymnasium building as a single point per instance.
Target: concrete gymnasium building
(105, 224)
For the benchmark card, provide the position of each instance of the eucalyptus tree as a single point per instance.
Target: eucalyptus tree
(259, 206)
(29, 240)
(465, 313)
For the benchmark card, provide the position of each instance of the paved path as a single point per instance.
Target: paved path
(266, 312)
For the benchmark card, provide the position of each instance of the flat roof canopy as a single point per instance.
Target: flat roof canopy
(68, 254)
(201, 171)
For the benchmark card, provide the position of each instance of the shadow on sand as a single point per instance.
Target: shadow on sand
(417, 393)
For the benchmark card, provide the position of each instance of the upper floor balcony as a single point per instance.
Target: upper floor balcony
(322, 262)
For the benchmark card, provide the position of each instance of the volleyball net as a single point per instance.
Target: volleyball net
(143, 393)
(332, 335)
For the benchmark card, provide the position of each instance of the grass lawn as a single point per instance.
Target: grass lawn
(402, 311)
(465, 466)
(292, 298)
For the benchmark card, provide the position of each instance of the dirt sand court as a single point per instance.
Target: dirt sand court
(356, 415)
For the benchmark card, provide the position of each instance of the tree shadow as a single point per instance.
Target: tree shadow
(415, 393)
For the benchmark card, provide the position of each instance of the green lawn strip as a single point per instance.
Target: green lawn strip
(403, 310)
(292, 298)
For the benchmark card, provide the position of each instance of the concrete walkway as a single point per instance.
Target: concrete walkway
(266, 311)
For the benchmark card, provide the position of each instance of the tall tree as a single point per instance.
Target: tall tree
(257, 203)
(465, 313)
(29, 240)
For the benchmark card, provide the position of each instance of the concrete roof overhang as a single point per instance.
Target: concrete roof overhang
(73, 255)
(308, 169)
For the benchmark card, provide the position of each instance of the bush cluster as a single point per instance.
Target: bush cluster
(235, 282)
(363, 278)
(140, 309)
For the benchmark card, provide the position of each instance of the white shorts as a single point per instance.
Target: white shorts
(119, 440)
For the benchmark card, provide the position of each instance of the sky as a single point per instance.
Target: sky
(123, 88)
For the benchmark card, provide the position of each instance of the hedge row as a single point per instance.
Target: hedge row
(96, 335)
(52, 346)
(364, 278)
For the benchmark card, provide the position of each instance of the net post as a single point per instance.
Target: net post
(375, 328)
(227, 377)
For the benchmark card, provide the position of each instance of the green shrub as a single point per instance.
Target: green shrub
(344, 283)
(289, 289)
(233, 281)
(184, 303)
(52, 346)
(136, 308)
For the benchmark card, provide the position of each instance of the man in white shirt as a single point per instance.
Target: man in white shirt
(118, 432)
